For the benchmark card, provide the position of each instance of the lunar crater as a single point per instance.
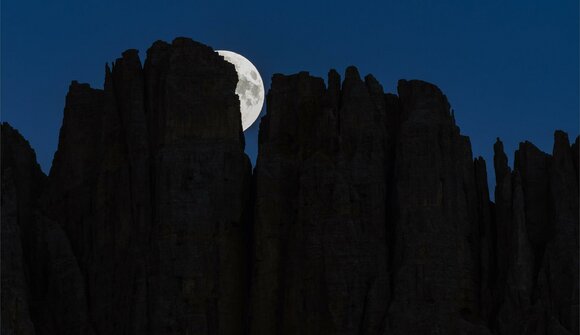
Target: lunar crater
(250, 87)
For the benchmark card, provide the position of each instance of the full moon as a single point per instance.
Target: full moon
(250, 88)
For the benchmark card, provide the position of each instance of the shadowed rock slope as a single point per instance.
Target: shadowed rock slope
(366, 213)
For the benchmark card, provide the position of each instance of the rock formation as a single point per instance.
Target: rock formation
(320, 237)
(150, 184)
(42, 286)
(366, 213)
(22, 183)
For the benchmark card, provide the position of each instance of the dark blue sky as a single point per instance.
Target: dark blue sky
(509, 68)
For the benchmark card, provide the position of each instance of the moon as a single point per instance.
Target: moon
(250, 88)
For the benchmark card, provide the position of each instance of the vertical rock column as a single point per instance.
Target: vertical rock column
(537, 240)
(22, 181)
(320, 216)
(151, 185)
(487, 242)
(201, 179)
(559, 273)
(437, 256)
(43, 291)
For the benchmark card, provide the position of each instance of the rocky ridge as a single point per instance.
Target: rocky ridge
(366, 213)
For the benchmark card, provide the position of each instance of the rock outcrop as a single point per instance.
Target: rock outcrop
(366, 213)
(151, 185)
(537, 240)
(320, 233)
(22, 183)
(437, 240)
(43, 289)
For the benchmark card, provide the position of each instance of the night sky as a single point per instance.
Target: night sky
(509, 68)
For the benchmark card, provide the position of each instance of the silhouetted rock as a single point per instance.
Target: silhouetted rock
(517, 294)
(46, 272)
(21, 179)
(366, 213)
(151, 185)
(533, 166)
(537, 227)
(320, 216)
(503, 218)
(559, 277)
(201, 180)
(487, 242)
(437, 257)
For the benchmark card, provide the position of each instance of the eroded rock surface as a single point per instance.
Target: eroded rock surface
(151, 185)
(366, 212)
(321, 208)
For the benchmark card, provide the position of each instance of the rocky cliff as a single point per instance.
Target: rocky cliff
(366, 213)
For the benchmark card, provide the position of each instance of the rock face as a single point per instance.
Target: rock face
(365, 214)
(41, 280)
(151, 186)
(22, 183)
(436, 243)
(321, 208)
(537, 240)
